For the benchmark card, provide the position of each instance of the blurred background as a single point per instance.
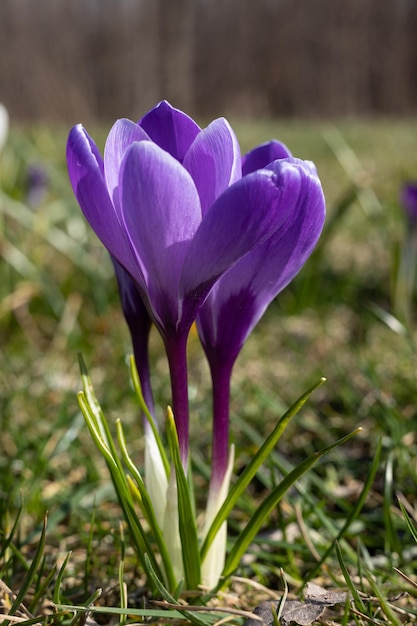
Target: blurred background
(72, 60)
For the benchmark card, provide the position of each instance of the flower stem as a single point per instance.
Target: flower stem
(176, 349)
(141, 351)
(221, 373)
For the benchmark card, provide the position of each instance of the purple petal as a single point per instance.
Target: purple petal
(244, 216)
(240, 297)
(161, 212)
(85, 168)
(132, 302)
(139, 323)
(214, 161)
(264, 154)
(122, 134)
(171, 129)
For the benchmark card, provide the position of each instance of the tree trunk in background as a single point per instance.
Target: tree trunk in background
(176, 49)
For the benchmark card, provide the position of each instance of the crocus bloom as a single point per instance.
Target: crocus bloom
(240, 297)
(408, 200)
(170, 204)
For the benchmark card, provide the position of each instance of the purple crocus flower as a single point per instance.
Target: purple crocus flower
(240, 297)
(170, 204)
(408, 200)
(238, 300)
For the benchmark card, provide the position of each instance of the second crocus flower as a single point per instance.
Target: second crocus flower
(239, 299)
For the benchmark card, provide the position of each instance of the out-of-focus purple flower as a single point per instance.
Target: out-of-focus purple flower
(36, 184)
(170, 204)
(408, 198)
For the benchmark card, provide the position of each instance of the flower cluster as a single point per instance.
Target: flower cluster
(197, 233)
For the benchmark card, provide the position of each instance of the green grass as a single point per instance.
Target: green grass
(342, 525)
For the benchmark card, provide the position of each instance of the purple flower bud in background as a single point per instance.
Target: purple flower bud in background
(36, 184)
(408, 199)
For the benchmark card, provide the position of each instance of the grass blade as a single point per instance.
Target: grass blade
(354, 512)
(194, 619)
(138, 389)
(187, 524)
(249, 532)
(408, 521)
(9, 538)
(30, 576)
(147, 507)
(122, 584)
(120, 483)
(247, 475)
(393, 619)
(57, 598)
(358, 600)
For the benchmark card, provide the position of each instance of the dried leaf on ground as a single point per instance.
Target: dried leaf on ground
(304, 613)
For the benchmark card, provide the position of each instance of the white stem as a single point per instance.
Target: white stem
(156, 480)
(171, 527)
(213, 564)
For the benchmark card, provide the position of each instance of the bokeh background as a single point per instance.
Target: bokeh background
(72, 60)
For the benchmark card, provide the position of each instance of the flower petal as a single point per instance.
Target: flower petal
(240, 297)
(170, 128)
(244, 216)
(122, 134)
(85, 167)
(264, 154)
(214, 161)
(161, 212)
